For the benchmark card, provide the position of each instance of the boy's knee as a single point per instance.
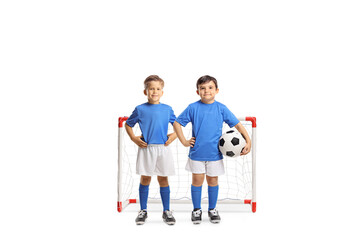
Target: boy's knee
(197, 179)
(163, 181)
(212, 181)
(145, 180)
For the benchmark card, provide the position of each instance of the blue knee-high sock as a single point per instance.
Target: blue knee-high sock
(196, 196)
(165, 197)
(143, 195)
(213, 193)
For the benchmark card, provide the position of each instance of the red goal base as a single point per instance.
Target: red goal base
(120, 206)
(253, 207)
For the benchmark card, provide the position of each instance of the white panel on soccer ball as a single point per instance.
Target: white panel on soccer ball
(231, 143)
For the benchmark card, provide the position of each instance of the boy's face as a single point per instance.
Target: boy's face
(154, 92)
(207, 92)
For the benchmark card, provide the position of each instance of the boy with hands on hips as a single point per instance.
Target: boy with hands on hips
(154, 156)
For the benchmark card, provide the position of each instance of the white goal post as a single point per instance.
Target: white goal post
(238, 185)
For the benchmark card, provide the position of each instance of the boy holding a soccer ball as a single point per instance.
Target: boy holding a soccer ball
(205, 159)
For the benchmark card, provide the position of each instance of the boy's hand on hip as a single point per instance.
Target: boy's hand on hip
(190, 142)
(137, 140)
(171, 138)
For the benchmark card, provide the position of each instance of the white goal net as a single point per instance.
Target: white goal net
(238, 185)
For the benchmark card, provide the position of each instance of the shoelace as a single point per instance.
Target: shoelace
(142, 213)
(214, 212)
(197, 213)
(169, 214)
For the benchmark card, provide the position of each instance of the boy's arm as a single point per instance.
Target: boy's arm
(136, 139)
(243, 131)
(171, 138)
(180, 135)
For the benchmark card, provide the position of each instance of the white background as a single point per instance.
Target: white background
(69, 69)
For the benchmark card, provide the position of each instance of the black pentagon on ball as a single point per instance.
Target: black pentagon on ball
(235, 141)
(222, 142)
(231, 131)
(230, 153)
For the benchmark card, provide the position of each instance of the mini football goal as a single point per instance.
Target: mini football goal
(237, 186)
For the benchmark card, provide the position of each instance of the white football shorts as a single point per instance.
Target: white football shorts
(210, 168)
(155, 159)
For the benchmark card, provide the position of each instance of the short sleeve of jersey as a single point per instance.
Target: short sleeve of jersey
(229, 117)
(133, 119)
(184, 118)
(172, 116)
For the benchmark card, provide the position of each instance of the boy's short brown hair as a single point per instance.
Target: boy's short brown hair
(153, 78)
(205, 79)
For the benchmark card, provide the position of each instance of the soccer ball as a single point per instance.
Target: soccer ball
(231, 143)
